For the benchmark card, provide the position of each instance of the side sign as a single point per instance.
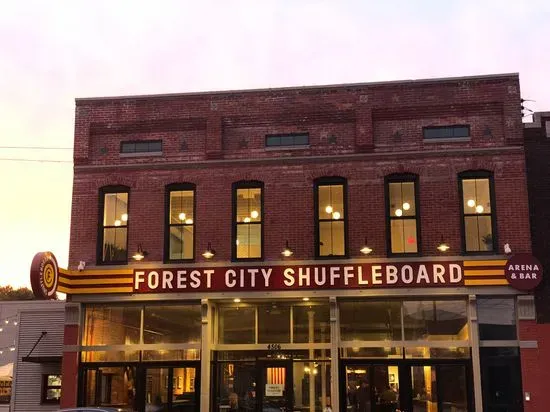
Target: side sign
(44, 275)
(523, 272)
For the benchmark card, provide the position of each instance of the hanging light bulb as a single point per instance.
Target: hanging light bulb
(6, 321)
(124, 217)
(246, 220)
(479, 209)
(188, 221)
(328, 209)
(254, 214)
(398, 212)
(406, 206)
(209, 252)
(1, 329)
(118, 222)
(287, 251)
(181, 216)
(471, 202)
(14, 323)
(336, 215)
(12, 348)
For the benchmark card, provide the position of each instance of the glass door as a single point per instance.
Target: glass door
(171, 389)
(275, 392)
(372, 388)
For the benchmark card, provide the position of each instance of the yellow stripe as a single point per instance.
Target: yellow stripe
(126, 280)
(485, 282)
(493, 272)
(97, 272)
(99, 291)
(485, 262)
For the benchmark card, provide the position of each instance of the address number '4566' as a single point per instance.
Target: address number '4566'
(274, 346)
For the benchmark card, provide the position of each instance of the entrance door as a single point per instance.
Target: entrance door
(372, 388)
(275, 393)
(173, 389)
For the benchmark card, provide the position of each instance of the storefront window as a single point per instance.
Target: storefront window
(437, 353)
(247, 220)
(311, 385)
(370, 320)
(171, 355)
(435, 320)
(181, 222)
(311, 324)
(402, 214)
(113, 239)
(112, 325)
(273, 323)
(172, 324)
(110, 356)
(380, 352)
(111, 386)
(496, 318)
(331, 217)
(5, 389)
(237, 325)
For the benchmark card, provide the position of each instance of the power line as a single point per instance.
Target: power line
(35, 160)
(36, 147)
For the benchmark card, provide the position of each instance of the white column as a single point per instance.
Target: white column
(476, 365)
(206, 333)
(311, 340)
(334, 343)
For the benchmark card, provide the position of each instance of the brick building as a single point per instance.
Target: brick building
(301, 248)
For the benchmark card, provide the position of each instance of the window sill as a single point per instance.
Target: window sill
(448, 140)
(297, 147)
(146, 154)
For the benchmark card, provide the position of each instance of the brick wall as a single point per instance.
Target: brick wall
(215, 139)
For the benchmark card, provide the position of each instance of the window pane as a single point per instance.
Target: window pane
(54, 380)
(403, 236)
(249, 205)
(287, 140)
(249, 241)
(236, 387)
(478, 231)
(497, 318)
(112, 325)
(435, 320)
(115, 210)
(237, 325)
(424, 388)
(302, 139)
(142, 147)
(111, 386)
(476, 196)
(172, 324)
(181, 207)
(311, 396)
(155, 146)
(273, 324)
(171, 355)
(402, 199)
(128, 147)
(53, 394)
(319, 316)
(181, 242)
(370, 321)
(331, 202)
(273, 141)
(452, 388)
(331, 238)
(114, 244)
(437, 353)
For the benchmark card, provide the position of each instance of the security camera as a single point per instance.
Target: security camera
(81, 266)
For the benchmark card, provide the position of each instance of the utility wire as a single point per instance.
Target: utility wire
(36, 147)
(35, 160)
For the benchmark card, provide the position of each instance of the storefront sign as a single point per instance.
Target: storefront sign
(523, 272)
(274, 389)
(367, 275)
(44, 275)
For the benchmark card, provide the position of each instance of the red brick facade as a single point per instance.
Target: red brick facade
(360, 132)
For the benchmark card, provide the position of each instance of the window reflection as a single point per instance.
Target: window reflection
(330, 219)
(370, 321)
(273, 323)
(237, 324)
(496, 318)
(172, 324)
(311, 324)
(435, 320)
(112, 325)
(111, 386)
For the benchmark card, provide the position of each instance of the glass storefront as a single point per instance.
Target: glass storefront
(408, 354)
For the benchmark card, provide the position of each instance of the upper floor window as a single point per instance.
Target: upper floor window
(446, 132)
(113, 228)
(331, 217)
(180, 222)
(247, 220)
(141, 146)
(292, 139)
(478, 223)
(403, 229)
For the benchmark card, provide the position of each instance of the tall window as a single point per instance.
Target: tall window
(247, 220)
(180, 222)
(403, 230)
(113, 228)
(478, 223)
(331, 216)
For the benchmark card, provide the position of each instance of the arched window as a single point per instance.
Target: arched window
(112, 245)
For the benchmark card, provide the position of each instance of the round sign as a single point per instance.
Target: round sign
(523, 272)
(44, 275)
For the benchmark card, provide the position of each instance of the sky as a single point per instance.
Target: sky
(54, 51)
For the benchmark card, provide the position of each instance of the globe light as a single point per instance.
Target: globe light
(328, 209)
(398, 212)
(181, 216)
(479, 209)
(336, 215)
(189, 221)
(247, 220)
(254, 214)
(118, 222)
(406, 206)
(124, 217)
(471, 202)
